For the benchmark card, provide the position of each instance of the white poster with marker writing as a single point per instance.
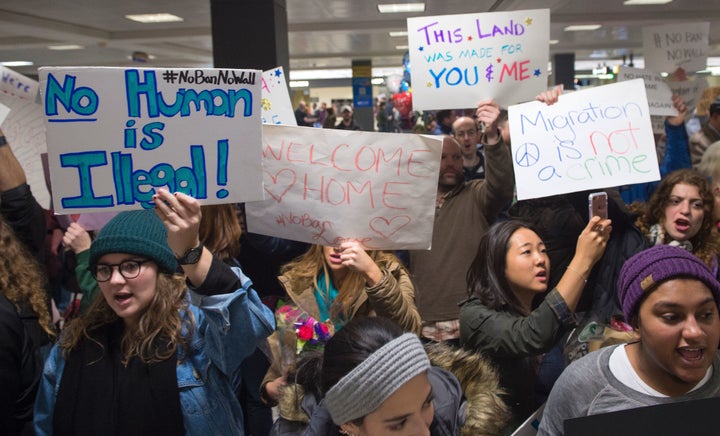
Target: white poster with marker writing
(24, 129)
(690, 90)
(324, 186)
(659, 95)
(667, 47)
(458, 60)
(276, 104)
(594, 138)
(115, 135)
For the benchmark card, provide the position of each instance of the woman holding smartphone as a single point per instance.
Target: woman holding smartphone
(512, 267)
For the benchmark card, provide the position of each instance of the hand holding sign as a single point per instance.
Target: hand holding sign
(679, 105)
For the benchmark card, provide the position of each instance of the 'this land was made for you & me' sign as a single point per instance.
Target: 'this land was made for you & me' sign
(115, 135)
(589, 139)
(458, 60)
(324, 186)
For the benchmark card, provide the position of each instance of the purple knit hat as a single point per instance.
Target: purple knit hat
(647, 269)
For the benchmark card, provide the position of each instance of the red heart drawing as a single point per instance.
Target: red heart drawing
(286, 182)
(388, 227)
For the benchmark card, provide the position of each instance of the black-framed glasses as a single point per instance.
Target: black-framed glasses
(129, 269)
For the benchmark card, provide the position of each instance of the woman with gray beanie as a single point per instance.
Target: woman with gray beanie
(156, 352)
(374, 379)
(671, 298)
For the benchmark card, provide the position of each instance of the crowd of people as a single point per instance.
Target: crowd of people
(189, 324)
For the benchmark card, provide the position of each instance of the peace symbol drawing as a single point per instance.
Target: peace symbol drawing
(527, 155)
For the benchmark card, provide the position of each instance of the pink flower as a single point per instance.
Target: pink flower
(305, 332)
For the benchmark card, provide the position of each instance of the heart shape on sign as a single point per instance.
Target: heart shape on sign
(388, 227)
(287, 182)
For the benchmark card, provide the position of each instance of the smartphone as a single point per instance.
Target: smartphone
(597, 205)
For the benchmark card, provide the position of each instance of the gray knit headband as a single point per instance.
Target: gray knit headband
(365, 388)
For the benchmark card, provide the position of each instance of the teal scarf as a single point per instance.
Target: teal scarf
(325, 295)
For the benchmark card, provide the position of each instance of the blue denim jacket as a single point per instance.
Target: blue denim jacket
(229, 326)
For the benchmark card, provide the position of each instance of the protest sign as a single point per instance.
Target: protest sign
(458, 60)
(669, 46)
(595, 138)
(324, 186)
(690, 90)
(708, 96)
(658, 124)
(276, 104)
(658, 92)
(116, 134)
(24, 129)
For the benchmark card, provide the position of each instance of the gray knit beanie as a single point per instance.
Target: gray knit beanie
(135, 232)
(369, 384)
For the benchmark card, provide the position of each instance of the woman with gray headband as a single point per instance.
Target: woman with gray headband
(374, 379)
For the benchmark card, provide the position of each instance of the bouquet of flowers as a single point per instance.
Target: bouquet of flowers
(299, 332)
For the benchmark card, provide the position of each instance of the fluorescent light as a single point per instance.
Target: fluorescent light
(162, 17)
(394, 8)
(399, 33)
(554, 41)
(645, 2)
(581, 27)
(66, 47)
(299, 83)
(402, 47)
(16, 63)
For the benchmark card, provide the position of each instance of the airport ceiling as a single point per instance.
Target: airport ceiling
(323, 34)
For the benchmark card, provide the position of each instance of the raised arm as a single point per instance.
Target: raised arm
(677, 149)
(181, 215)
(496, 192)
(389, 290)
(590, 248)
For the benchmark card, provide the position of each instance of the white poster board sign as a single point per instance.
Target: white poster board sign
(324, 186)
(658, 92)
(690, 90)
(595, 138)
(24, 129)
(117, 134)
(276, 104)
(669, 46)
(458, 60)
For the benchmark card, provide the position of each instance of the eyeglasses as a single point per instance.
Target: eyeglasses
(129, 269)
(467, 133)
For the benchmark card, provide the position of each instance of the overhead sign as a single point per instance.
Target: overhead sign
(458, 60)
(115, 135)
(594, 138)
(324, 186)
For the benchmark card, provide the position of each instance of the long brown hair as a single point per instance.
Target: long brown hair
(161, 323)
(21, 279)
(303, 272)
(220, 230)
(706, 243)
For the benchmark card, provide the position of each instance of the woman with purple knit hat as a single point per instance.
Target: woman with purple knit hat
(671, 298)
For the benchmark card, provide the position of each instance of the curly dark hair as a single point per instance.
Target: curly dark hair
(706, 243)
(22, 280)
